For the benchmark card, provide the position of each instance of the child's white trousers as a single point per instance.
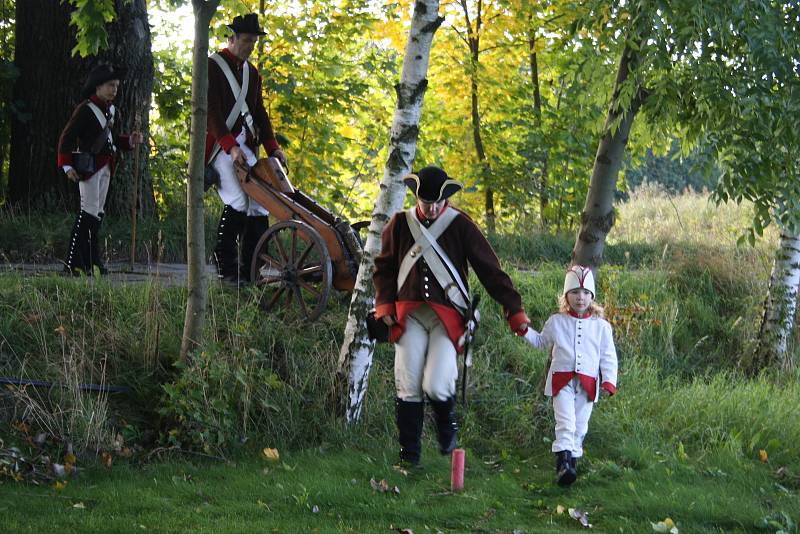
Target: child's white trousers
(572, 409)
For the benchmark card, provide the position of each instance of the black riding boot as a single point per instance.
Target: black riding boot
(254, 228)
(94, 242)
(226, 253)
(78, 259)
(409, 426)
(446, 424)
(565, 472)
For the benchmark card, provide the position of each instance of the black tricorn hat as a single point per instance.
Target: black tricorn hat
(431, 184)
(246, 24)
(98, 76)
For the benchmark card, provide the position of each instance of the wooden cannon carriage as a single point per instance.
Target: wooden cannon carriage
(306, 252)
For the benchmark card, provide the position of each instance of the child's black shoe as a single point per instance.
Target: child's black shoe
(565, 472)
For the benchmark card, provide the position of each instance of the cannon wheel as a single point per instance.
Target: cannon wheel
(291, 263)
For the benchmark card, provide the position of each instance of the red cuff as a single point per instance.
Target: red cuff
(64, 159)
(227, 142)
(271, 146)
(517, 320)
(383, 310)
(608, 386)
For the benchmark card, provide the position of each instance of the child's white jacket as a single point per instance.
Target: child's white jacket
(581, 345)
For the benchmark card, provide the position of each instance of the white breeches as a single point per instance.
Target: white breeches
(230, 191)
(94, 191)
(572, 409)
(425, 359)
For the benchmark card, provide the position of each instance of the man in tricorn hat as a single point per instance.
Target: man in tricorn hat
(87, 152)
(237, 123)
(421, 292)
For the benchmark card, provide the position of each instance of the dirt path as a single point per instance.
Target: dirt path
(169, 274)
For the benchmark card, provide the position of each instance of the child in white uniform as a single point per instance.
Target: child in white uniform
(583, 363)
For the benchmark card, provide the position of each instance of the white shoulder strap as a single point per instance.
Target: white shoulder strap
(240, 106)
(101, 118)
(415, 252)
(442, 268)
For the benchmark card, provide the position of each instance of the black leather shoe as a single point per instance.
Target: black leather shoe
(446, 424)
(565, 473)
(409, 426)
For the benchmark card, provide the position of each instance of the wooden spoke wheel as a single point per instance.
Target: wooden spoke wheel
(292, 266)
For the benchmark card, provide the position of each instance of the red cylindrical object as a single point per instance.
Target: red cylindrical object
(457, 470)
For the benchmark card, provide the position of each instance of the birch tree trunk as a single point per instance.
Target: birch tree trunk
(355, 356)
(598, 215)
(195, 232)
(779, 309)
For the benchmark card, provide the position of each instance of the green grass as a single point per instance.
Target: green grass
(43, 238)
(681, 439)
(623, 491)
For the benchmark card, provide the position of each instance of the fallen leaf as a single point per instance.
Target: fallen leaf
(667, 526)
(315, 509)
(580, 516)
(270, 454)
(61, 330)
(106, 459)
(763, 456)
(58, 470)
(60, 485)
(79, 506)
(401, 470)
(381, 486)
(560, 509)
(405, 531)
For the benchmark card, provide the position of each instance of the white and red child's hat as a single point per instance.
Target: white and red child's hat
(579, 277)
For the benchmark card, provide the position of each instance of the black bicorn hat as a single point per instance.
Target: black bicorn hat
(431, 184)
(100, 75)
(246, 24)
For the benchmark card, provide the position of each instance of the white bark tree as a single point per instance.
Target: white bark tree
(355, 356)
(780, 308)
(195, 231)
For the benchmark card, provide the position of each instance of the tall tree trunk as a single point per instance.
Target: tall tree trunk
(43, 25)
(355, 356)
(598, 216)
(130, 48)
(780, 308)
(474, 44)
(537, 108)
(195, 230)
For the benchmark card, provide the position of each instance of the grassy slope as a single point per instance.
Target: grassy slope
(681, 440)
(718, 494)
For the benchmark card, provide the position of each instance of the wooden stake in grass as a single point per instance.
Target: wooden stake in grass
(457, 470)
(136, 124)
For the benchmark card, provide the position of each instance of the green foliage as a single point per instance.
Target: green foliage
(671, 171)
(43, 238)
(208, 404)
(90, 18)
